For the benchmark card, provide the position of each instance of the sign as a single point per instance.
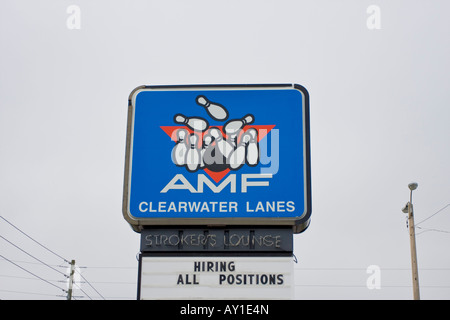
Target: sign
(215, 278)
(218, 155)
(217, 240)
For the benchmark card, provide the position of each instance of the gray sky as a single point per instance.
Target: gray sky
(379, 120)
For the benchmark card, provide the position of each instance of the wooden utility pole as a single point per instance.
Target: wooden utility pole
(412, 239)
(72, 271)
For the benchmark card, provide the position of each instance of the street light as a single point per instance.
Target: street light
(412, 186)
(412, 238)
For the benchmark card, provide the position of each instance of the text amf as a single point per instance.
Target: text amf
(179, 182)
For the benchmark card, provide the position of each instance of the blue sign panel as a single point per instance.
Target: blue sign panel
(218, 154)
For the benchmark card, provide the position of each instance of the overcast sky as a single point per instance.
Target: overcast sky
(380, 118)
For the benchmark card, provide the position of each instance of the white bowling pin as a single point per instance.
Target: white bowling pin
(237, 157)
(193, 154)
(233, 127)
(233, 139)
(223, 145)
(179, 151)
(252, 148)
(207, 139)
(193, 123)
(215, 110)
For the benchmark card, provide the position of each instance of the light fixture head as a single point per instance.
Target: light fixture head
(406, 208)
(412, 186)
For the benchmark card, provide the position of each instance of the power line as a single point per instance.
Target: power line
(90, 284)
(34, 240)
(364, 269)
(428, 229)
(365, 286)
(75, 283)
(31, 262)
(32, 256)
(80, 267)
(433, 214)
(113, 282)
(106, 267)
(26, 278)
(82, 290)
(54, 285)
(34, 293)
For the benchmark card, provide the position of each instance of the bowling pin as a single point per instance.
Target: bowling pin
(193, 154)
(252, 157)
(237, 157)
(179, 151)
(223, 145)
(207, 139)
(215, 110)
(233, 127)
(193, 123)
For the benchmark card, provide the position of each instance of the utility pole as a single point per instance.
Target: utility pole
(412, 239)
(72, 271)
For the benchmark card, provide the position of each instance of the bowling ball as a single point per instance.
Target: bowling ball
(214, 159)
(217, 167)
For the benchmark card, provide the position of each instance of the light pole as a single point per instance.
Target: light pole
(412, 238)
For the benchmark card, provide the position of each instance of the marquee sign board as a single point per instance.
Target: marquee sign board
(218, 155)
(248, 240)
(215, 278)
